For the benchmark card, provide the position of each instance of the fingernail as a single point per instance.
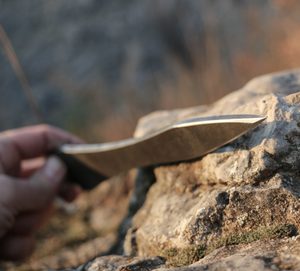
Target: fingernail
(54, 169)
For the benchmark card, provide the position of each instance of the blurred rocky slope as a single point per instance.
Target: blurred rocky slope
(94, 65)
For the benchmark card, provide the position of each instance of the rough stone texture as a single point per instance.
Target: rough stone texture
(245, 191)
(279, 254)
(234, 209)
(123, 263)
(144, 179)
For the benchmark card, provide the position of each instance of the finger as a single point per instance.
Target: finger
(29, 222)
(69, 192)
(40, 190)
(30, 166)
(35, 141)
(16, 247)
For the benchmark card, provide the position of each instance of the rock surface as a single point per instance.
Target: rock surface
(232, 209)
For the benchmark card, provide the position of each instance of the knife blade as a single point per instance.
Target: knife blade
(89, 164)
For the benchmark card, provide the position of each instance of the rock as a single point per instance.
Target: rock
(234, 209)
(244, 192)
(123, 263)
(144, 179)
(72, 256)
(260, 255)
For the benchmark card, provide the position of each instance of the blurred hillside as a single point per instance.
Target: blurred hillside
(96, 66)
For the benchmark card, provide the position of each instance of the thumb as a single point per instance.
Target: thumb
(42, 187)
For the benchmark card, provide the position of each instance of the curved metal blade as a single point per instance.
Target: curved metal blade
(181, 141)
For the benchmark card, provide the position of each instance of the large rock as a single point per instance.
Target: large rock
(234, 208)
(245, 191)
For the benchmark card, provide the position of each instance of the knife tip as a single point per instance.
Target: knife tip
(234, 118)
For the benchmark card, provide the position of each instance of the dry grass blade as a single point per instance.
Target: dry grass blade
(16, 65)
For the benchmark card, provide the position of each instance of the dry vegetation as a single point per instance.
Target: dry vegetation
(215, 70)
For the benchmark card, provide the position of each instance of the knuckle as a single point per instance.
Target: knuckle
(45, 128)
(5, 143)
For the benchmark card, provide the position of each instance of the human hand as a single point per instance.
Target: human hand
(29, 183)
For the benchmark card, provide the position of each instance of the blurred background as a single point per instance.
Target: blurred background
(95, 66)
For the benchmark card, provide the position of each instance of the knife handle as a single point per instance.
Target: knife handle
(79, 173)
